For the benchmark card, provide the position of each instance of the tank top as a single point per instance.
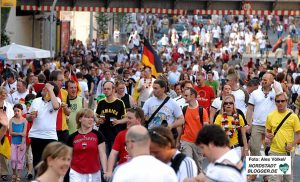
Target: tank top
(19, 128)
(126, 101)
(75, 105)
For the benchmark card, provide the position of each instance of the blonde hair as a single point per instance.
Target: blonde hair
(53, 150)
(230, 96)
(83, 112)
(280, 94)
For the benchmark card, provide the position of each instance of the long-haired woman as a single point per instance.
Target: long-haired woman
(55, 162)
(233, 124)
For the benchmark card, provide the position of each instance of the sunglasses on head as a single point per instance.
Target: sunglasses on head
(280, 101)
(228, 103)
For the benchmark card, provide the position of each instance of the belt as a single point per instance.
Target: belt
(235, 146)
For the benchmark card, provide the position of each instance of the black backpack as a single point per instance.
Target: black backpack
(175, 163)
(200, 113)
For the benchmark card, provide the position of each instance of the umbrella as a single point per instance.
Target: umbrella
(19, 52)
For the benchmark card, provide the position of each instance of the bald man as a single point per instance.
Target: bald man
(112, 109)
(142, 166)
(261, 103)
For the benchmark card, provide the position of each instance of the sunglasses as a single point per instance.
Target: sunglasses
(228, 103)
(280, 101)
(198, 80)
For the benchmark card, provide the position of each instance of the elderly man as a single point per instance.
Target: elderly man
(283, 142)
(142, 166)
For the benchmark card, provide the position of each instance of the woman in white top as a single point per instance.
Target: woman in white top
(217, 103)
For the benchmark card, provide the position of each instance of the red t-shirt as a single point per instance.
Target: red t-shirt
(205, 96)
(29, 125)
(119, 145)
(85, 159)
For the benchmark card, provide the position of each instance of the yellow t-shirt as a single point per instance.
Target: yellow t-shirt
(234, 139)
(286, 133)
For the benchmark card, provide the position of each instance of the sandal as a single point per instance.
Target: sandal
(13, 178)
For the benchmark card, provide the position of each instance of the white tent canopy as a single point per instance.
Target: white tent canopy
(19, 52)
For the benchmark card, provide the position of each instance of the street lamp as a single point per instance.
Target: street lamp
(51, 30)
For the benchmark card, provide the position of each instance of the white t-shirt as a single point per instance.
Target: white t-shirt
(84, 88)
(144, 168)
(44, 126)
(9, 110)
(217, 103)
(168, 112)
(9, 87)
(223, 173)
(263, 105)
(180, 101)
(187, 168)
(240, 97)
(16, 96)
(295, 89)
(145, 94)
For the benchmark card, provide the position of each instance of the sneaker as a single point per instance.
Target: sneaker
(29, 176)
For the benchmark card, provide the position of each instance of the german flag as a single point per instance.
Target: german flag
(151, 59)
(73, 77)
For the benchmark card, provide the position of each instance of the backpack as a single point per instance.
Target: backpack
(239, 169)
(200, 113)
(175, 163)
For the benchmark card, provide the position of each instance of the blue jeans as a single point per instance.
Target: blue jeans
(279, 33)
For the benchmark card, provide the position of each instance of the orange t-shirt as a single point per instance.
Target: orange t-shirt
(193, 124)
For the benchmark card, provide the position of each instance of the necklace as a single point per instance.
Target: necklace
(149, 84)
(230, 128)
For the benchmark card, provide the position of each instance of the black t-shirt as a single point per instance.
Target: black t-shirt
(115, 109)
(90, 80)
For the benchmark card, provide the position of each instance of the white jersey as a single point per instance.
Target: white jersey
(223, 173)
(144, 168)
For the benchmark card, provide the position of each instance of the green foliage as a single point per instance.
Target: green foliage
(102, 20)
(5, 40)
(122, 21)
(4, 16)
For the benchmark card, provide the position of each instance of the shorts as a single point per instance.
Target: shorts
(78, 177)
(29, 157)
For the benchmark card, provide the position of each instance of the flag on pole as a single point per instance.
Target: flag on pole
(150, 58)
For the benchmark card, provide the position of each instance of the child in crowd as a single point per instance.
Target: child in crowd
(17, 129)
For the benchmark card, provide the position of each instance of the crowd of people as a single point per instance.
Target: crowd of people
(88, 117)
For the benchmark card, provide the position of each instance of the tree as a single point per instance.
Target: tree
(102, 20)
(4, 16)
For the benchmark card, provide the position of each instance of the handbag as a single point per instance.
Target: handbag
(155, 112)
(275, 132)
